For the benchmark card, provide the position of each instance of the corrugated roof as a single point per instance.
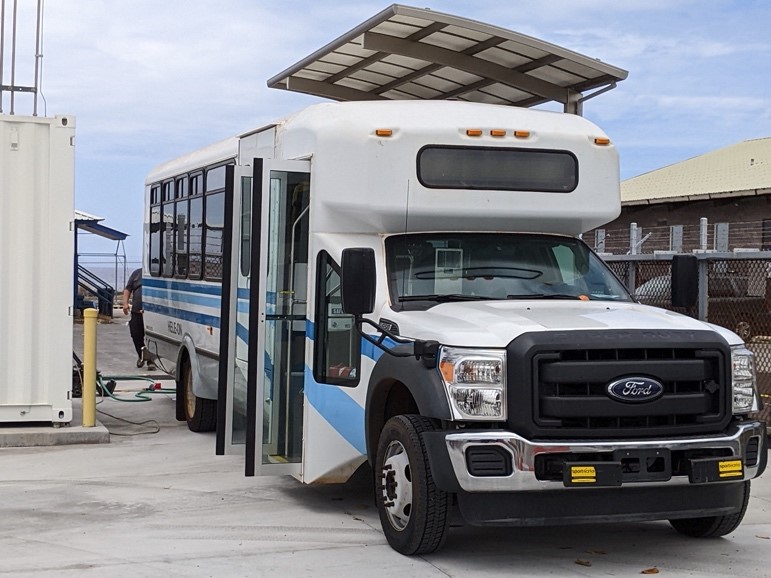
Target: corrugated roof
(737, 170)
(406, 53)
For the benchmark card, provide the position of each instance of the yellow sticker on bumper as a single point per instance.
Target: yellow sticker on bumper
(730, 469)
(583, 474)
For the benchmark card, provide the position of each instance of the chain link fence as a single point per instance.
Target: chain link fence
(734, 292)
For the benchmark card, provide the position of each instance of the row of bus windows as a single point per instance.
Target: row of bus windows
(187, 219)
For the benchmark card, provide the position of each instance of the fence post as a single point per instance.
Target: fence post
(633, 234)
(676, 238)
(703, 233)
(703, 289)
(599, 240)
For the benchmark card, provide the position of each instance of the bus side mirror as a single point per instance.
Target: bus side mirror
(358, 281)
(685, 281)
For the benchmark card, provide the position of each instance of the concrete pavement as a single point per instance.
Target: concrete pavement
(157, 501)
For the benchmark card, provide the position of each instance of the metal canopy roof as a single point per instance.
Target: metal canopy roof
(406, 53)
(91, 226)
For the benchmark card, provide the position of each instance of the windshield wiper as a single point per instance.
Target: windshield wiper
(444, 298)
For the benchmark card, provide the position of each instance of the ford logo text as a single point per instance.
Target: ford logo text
(635, 389)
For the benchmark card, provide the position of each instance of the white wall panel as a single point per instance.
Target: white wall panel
(37, 162)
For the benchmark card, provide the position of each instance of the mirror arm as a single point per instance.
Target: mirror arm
(425, 350)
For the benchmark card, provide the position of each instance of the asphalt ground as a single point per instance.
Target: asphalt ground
(157, 501)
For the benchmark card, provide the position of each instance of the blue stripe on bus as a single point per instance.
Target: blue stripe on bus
(243, 294)
(242, 302)
(192, 316)
(367, 349)
(242, 333)
(181, 297)
(338, 409)
(204, 289)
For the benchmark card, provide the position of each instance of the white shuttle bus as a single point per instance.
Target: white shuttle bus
(401, 283)
(182, 275)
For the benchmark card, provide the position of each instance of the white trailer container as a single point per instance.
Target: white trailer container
(37, 169)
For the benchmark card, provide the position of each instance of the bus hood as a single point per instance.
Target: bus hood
(497, 323)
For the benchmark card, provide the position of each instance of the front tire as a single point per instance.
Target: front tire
(200, 413)
(713, 526)
(414, 512)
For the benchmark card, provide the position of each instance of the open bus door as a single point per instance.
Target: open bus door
(265, 358)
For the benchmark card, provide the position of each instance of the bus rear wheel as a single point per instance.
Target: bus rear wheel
(200, 413)
(414, 512)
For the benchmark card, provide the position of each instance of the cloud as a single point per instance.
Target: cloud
(150, 80)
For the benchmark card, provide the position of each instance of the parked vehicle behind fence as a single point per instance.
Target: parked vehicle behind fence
(730, 304)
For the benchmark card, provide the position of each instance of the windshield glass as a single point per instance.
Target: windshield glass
(431, 268)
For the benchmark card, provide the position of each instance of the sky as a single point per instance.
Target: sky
(150, 80)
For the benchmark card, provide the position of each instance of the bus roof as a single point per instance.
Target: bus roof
(412, 53)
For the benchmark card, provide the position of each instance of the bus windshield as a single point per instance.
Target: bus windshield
(431, 268)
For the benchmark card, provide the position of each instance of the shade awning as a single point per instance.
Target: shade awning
(94, 227)
(412, 53)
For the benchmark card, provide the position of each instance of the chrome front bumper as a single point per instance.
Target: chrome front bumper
(523, 454)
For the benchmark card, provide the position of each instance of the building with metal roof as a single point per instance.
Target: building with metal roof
(742, 169)
(728, 190)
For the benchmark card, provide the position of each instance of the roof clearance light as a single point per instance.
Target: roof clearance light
(497, 132)
(602, 141)
(473, 132)
(522, 133)
(384, 132)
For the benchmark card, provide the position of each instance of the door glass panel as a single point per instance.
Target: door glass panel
(239, 406)
(285, 299)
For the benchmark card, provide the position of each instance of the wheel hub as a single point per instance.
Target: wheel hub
(396, 486)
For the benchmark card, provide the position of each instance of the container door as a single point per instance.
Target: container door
(275, 360)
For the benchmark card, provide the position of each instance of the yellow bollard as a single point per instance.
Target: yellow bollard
(89, 367)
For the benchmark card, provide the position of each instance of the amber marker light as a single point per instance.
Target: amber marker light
(522, 133)
(602, 141)
(497, 132)
(384, 132)
(473, 132)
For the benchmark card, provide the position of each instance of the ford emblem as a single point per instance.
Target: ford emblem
(635, 389)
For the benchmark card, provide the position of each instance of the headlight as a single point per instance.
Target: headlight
(475, 380)
(743, 391)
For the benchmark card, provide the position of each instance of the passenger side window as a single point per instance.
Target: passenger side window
(337, 353)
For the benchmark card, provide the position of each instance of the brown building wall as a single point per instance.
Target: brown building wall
(745, 216)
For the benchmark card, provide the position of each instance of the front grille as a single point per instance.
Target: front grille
(568, 393)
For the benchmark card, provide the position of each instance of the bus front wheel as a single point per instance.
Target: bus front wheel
(414, 512)
(200, 413)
